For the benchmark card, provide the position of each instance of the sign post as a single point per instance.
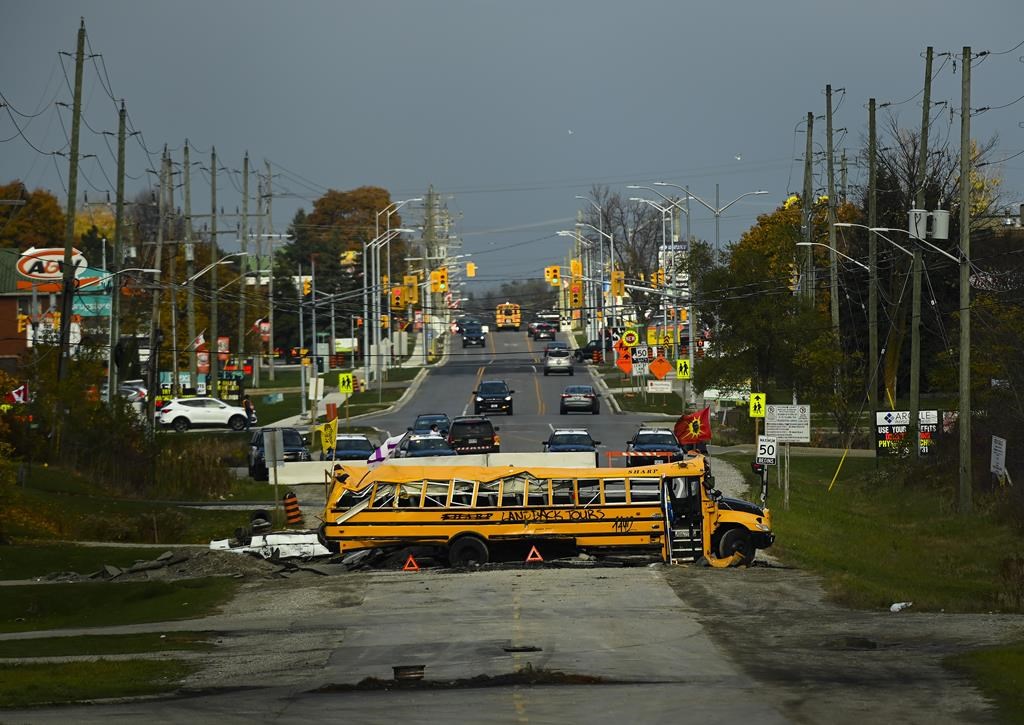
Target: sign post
(787, 424)
(767, 455)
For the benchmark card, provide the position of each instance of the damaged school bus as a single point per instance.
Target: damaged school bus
(671, 511)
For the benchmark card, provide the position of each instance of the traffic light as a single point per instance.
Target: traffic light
(659, 278)
(618, 283)
(22, 322)
(576, 294)
(442, 279)
(435, 281)
(470, 269)
(359, 322)
(411, 284)
(385, 321)
(556, 276)
(397, 298)
(576, 267)
(307, 287)
(384, 282)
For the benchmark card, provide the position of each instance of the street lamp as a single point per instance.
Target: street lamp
(716, 209)
(369, 246)
(590, 319)
(600, 230)
(844, 256)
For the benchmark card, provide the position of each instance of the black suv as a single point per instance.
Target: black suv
(492, 395)
(294, 450)
(474, 434)
(473, 334)
(653, 445)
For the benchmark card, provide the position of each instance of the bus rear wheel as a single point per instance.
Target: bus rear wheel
(467, 551)
(737, 541)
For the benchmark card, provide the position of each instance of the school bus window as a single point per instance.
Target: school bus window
(409, 495)
(462, 493)
(561, 492)
(487, 494)
(512, 492)
(644, 490)
(590, 492)
(614, 490)
(538, 493)
(436, 495)
(383, 496)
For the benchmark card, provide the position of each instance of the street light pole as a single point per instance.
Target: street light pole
(717, 210)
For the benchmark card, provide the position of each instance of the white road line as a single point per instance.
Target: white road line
(552, 427)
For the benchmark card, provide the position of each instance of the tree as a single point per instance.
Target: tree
(38, 223)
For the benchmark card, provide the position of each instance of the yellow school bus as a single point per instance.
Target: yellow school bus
(470, 514)
(508, 316)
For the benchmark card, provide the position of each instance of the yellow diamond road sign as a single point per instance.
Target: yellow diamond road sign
(757, 405)
(682, 369)
(345, 382)
(630, 338)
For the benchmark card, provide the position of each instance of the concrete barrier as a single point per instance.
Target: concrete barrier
(301, 472)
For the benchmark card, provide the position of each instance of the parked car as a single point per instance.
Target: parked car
(473, 334)
(558, 361)
(492, 396)
(294, 450)
(425, 423)
(652, 442)
(586, 353)
(543, 331)
(580, 398)
(349, 447)
(423, 445)
(474, 434)
(555, 345)
(568, 440)
(184, 413)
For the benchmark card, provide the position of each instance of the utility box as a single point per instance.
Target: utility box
(917, 223)
(940, 224)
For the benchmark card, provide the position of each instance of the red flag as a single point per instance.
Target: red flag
(693, 428)
(18, 395)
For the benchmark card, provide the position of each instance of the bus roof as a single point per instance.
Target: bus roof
(360, 477)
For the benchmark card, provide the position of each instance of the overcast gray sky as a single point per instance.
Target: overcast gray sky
(508, 108)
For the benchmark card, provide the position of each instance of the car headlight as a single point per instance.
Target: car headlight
(508, 398)
(762, 527)
(479, 399)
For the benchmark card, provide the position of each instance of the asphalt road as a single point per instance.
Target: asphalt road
(519, 361)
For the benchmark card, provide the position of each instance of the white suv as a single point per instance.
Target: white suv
(559, 361)
(185, 413)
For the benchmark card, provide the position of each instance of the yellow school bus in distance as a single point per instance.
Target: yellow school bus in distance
(471, 514)
(508, 316)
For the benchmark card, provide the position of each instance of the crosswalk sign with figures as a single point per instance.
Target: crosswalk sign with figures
(345, 383)
(682, 369)
(757, 405)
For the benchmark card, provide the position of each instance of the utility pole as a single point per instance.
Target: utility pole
(270, 253)
(842, 175)
(964, 418)
(808, 209)
(259, 278)
(243, 262)
(302, 358)
(833, 260)
(173, 273)
(212, 345)
(115, 282)
(154, 318)
(190, 255)
(312, 316)
(872, 267)
(68, 286)
(913, 425)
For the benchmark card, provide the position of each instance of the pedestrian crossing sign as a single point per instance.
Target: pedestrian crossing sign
(682, 369)
(345, 383)
(757, 405)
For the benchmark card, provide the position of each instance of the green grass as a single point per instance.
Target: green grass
(23, 685)
(876, 542)
(401, 374)
(270, 413)
(101, 604)
(27, 561)
(999, 673)
(359, 401)
(106, 644)
(654, 403)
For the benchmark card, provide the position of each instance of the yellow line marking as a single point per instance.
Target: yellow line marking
(476, 383)
(493, 349)
(529, 348)
(540, 400)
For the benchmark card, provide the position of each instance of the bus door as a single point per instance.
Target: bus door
(683, 506)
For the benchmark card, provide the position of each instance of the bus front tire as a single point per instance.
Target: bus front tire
(467, 551)
(737, 540)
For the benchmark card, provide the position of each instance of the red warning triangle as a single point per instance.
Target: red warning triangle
(534, 555)
(410, 564)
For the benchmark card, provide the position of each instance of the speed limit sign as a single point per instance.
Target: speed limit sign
(766, 450)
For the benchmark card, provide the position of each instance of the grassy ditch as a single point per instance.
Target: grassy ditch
(876, 542)
(24, 685)
(101, 604)
(106, 644)
(24, 561)
(999, 673)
